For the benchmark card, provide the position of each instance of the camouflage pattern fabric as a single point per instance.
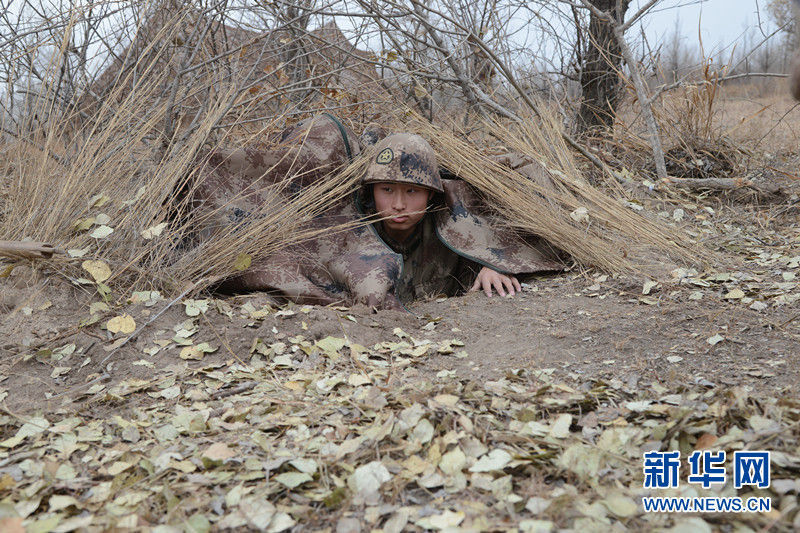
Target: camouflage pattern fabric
(372, 134)
(473, 236)
(357, 265)
(234, 183)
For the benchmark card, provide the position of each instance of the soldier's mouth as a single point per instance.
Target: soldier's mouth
(400, 219)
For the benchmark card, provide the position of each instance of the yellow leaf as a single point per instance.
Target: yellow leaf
(292, 479)
(735, 294)
(121, 324)
(191, 352)
(297, 386)
(77, 252)
(195, 307)
(99, 270)
(7, 271)
(219, 452)
(118, 467)
(84, 224)
(99, 200)
(243, 262)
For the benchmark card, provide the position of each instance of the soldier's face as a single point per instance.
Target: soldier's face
(404, 205)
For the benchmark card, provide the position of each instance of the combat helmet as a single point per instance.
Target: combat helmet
(406, 158)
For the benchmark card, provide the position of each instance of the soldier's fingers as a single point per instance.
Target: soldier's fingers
(476, 285)
(487, 288)
(516, 284)
(498, 284)
(509, 285)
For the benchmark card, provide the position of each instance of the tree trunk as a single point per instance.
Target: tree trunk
(599, 78)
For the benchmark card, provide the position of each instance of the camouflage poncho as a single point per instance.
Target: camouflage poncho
(357, 266)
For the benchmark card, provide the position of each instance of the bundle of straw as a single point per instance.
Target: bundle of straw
(611, 236)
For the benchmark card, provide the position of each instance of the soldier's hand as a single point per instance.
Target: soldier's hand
(488, 279)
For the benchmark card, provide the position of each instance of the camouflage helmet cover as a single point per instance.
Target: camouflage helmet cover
(406, 158)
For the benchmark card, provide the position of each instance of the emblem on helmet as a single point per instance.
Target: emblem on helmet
(385, 156)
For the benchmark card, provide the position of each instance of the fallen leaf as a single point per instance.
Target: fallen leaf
(124, 324)
(98, 307)
(32, 427)
(560, 429)
(331, 345)
(154, 231)
(308, 466)
(83, 224)
(638, 407)
(492, 461)
(195, 307)
(705, 441)
(621, 506)
(59, 371)
(453, 462)
(78, 252)
(735, 294)
(649, 286)
(446, 520)
(367, 479)
(98, 200)
(118, 467)
(219, 452)
(191, 353)
(243, 262)
(536, 526)
(716, 339)
(581, 214)
(99, 270)
(148, 298)
(101, 232)
(292, 479)
(171, 392)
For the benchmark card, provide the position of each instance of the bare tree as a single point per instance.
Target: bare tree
(600, 80)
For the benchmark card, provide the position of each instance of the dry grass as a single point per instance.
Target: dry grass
(742, 125)
(762, 121)
(63, 181)
(614, 237)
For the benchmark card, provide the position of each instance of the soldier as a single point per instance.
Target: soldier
(402, 185)
(428, 236)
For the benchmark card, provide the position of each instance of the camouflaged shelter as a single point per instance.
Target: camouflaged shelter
(357, 265)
